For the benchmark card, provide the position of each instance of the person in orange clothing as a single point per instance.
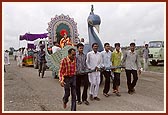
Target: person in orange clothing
(65, 40)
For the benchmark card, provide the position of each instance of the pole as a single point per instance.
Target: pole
(19, 42)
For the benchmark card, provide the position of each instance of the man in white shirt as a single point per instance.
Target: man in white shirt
(19, 57)
(14, 54)
(38, 46)
(25, 52)
(6, 55)
(56, 47)
(93, 61)
(145, 57)
(82, 41)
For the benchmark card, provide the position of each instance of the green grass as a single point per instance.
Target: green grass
(158, 68)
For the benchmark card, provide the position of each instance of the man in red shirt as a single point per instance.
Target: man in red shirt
(68, 78)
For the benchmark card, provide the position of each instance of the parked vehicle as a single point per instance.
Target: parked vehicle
(156, 52)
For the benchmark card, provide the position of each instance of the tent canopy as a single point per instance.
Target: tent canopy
(32, 37)
(31, 46)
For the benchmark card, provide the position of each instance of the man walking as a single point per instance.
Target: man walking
(106, 63)
(93, 61)
(145, 56)
(6, 54)
(19, 57)
(67, 76)
(55, 48)
(41, 61)
(81, 65)
(132, 66)
(116, 61)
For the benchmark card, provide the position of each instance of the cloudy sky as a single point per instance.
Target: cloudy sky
(120, 22)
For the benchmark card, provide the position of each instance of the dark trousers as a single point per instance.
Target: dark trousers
(14, 57)
(116, 81)
(132, 84)
(82, 79)
(42, 67)
(107, 75)
(4, 69)
(70, 86)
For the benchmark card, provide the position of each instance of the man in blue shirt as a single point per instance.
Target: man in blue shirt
(106, 62)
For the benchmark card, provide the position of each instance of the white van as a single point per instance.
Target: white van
(156, 52)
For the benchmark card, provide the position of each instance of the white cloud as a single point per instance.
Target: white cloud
(120, 22)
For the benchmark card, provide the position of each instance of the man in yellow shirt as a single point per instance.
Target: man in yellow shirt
(116, 61)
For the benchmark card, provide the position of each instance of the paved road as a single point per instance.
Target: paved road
(25, 91)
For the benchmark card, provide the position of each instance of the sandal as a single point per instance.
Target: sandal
(105, 94)
(118, 94)
(114, 91)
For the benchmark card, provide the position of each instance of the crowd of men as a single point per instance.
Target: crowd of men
(76, 61)
(70, 76)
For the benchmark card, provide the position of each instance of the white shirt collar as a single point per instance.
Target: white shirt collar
(131, 51)
(94, 52)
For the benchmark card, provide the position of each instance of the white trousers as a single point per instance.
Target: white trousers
(19, 61)
(94, 79)
(145, 64)
(7, 62)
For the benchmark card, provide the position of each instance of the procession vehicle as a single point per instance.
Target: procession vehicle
(65, 23)
(56, 27)
(156, 52)
(31, 57)
(28, 59)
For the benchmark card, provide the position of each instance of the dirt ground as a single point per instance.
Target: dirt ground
(24, 90)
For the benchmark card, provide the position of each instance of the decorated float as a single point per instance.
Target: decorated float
(69, 26)
(61, 26)
(30, 58)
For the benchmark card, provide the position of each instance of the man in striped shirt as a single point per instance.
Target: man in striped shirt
(81, 78)
(68, 79)
(132, 66)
